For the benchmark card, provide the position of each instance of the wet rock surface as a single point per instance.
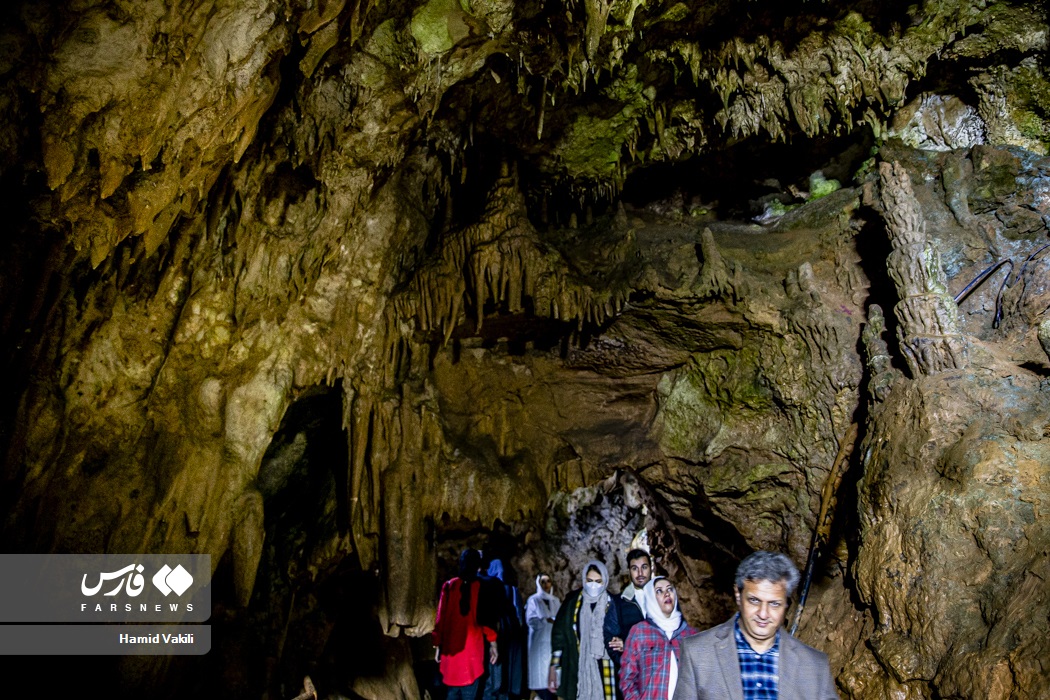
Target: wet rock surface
(331, 290)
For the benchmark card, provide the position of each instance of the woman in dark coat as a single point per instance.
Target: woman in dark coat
(581, 668)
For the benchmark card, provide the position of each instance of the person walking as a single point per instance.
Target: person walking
(651, 655)
(459, 639)
(540, 611)
(579, 649)
(506, 679)
(628, 605)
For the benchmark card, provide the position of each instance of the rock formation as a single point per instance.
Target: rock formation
(929, 329)
(330, 290)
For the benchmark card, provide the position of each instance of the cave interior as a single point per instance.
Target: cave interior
(332, 289)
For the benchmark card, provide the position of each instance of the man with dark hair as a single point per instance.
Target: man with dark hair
(628, 610)
(640, 566)
(750, 657)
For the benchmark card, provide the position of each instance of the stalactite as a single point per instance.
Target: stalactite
(543, 110)
(505, 263)
(247, 545)
(358, 420)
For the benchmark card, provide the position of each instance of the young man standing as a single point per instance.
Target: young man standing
(629, 609)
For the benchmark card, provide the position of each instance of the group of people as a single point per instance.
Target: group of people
(597, 645)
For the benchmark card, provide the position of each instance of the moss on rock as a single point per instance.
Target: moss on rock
(431, 25)
(593, 145)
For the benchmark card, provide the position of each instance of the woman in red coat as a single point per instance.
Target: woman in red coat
(459, 638)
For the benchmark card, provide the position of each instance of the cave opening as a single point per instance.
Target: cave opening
(736, 183)
(310, 609)
(313, 610)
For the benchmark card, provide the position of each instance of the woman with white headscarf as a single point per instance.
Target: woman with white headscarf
(540, 610)
(649, 667)
(579, 651)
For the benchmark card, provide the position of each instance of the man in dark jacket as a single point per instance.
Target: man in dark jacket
(640, 567)
(626, 611)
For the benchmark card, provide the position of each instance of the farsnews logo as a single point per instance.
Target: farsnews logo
(118, 587)
(130, 581)
(166, 580)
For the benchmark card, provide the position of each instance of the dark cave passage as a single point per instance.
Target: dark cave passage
(736, 183)
(303, 620)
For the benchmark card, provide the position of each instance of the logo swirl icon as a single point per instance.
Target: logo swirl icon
(169, 580)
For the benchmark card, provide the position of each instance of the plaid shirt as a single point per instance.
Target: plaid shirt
(645, 670)
(760, 673)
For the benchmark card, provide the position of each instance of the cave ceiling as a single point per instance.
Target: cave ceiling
(327, 289)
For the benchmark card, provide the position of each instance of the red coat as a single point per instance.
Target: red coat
(459, 638)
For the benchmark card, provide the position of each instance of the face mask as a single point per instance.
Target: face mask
(593, 588)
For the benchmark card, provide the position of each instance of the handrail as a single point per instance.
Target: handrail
(828, 498)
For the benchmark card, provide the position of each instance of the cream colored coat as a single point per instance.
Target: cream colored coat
(537, 611)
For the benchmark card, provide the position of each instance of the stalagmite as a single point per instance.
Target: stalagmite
(714, 279)
(929, 327)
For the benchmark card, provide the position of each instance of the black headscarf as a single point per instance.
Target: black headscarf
(469, 562)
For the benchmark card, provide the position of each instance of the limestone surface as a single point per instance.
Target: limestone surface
(330, 289)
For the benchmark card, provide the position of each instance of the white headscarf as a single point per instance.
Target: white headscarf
(542, 593)
(592, 638)
(668, 624)
(548, 599)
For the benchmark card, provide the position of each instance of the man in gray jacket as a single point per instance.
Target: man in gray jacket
(750, 657)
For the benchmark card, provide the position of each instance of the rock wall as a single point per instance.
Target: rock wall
(949, 492)
(487, 233)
